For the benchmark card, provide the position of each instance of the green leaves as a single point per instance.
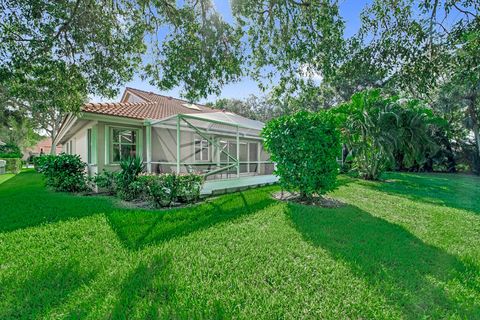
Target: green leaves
(65, 172)
(285, 37)
(200, 52)
(100, 41)
(304, 147)
(380, 131)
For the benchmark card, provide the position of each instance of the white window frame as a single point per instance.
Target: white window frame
(111, 144)
(200, 150)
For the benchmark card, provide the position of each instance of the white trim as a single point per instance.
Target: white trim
(127, 90)
(202, 141)
(70, 120)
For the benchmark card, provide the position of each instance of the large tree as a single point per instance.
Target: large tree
(426, 50)
(262, 108)
(55, 53)
(288, 40)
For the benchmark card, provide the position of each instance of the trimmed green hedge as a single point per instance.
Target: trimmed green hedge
(14, 165)
(305, 147)
(161, 190)
(10, 150)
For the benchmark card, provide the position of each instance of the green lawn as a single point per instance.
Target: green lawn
(406, 248)
(5, 177)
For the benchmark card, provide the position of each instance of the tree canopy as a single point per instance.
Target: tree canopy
(53, 54)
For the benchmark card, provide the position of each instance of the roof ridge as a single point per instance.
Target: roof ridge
(164, 96)
(121, 103)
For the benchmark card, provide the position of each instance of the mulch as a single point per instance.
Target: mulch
(319, 201)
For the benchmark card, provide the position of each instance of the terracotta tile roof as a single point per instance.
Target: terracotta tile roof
(155, 106)
(44, 146)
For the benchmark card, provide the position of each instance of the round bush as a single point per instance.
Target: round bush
(64, 172)
(304, 147)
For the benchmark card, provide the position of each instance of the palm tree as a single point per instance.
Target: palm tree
(377, 128)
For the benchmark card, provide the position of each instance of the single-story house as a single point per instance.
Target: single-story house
(170, 135)
(44, 146)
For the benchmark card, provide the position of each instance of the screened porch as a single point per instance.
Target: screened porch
(218, 145)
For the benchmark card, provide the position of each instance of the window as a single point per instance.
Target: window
(253, 156)
(223, 147)
(123, 144)
(201, 150)
(89, 146)
(70, 147)
(243, 149)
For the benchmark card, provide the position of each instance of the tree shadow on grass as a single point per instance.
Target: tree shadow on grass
(405, 269)
(137, 230)
(452, 190)
(26, 202)
(150, 292)
(146, 291)
(45, 289)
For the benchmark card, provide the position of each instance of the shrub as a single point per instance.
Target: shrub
(164, 189)
(106, 180)
(13, 165)
(125, 185)
(10, 150)
(304, 147)
(386, 132)
(64, 172)
(189, 187)
(39, 161)
(160, 189)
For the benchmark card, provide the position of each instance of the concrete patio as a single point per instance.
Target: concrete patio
(213, 187)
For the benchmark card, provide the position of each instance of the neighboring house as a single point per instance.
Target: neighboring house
(217, 144)
(42, 147)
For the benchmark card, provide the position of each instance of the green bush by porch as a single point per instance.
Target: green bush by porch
(305, 147)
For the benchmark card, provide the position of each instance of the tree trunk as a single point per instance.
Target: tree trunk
(53, 150)
(399, 156)
(474, 117)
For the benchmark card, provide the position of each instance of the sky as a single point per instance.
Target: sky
(349, 10)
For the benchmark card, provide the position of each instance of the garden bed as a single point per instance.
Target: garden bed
(316, 200)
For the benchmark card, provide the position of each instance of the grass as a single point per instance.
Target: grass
(5, 177)
(407, 248)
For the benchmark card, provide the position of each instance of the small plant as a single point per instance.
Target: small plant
(125, 185)
(189, 187)
(165, 189)
(160, 189)
(64, 172)
(304, 147)
(106, 180)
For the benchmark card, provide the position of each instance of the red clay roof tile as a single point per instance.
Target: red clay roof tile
(155, 107)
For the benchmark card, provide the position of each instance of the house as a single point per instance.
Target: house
(44, 146)
(170, 135)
